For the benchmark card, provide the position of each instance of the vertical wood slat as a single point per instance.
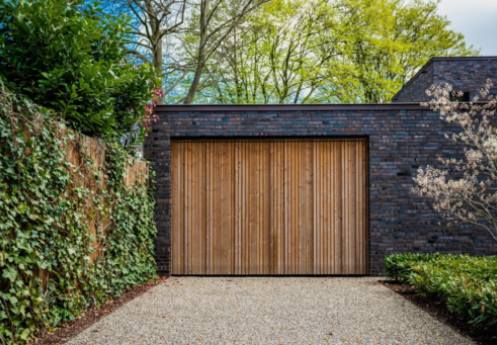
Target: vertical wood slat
(269, 206)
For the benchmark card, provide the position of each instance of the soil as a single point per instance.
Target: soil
(72, 328)
(437, 309)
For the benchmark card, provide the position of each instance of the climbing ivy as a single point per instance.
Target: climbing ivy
(50, 268)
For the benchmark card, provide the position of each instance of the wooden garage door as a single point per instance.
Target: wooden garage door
(269, 206)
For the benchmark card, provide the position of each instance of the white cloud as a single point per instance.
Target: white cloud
(476, 19)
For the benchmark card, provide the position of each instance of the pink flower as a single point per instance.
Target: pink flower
(158, 92)
(150, 117)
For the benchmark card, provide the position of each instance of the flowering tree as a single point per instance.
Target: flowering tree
(465, 189)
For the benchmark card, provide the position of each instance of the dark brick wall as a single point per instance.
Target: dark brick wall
(465, 74)
(414, 90)
(156, 151)
(400, 140)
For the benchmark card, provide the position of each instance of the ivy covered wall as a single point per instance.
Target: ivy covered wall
(76, 221)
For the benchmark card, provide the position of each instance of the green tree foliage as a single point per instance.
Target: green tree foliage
(318, 51)
(71, 57)
(387, 41)
(273, 57)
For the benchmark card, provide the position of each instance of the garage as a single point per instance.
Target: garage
(269, 206)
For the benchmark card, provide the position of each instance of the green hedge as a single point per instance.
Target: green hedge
(400, 266)
(467, 285)
(49, 271)
(72, 57)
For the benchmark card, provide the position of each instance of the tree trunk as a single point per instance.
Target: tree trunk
(195, 83)
(155, 39)
(158, 58)
(199, 68)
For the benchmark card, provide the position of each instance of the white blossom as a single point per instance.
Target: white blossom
(469, 192)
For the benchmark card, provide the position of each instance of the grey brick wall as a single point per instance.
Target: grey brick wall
(414, 90)
(401, 138)
(464, 73)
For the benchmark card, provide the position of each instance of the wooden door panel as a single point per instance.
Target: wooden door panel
(260, 207)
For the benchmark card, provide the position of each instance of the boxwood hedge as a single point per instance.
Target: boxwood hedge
(467, 285)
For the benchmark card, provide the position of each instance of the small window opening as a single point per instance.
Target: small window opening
(460, 97)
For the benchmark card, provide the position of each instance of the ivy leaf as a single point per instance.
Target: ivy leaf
(22, 208)
(25, 334)
(9, 273)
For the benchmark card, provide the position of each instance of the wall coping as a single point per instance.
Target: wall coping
(161, 108)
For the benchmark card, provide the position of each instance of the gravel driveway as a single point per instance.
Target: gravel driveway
(265, 311)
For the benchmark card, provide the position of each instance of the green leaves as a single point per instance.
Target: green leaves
(46, 274)
(72, 58)
(401, 266)
(467, 285)
(9, 273)
(338, 51)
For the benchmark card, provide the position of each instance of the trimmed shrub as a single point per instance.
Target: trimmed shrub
(467, 285)
(400, 266)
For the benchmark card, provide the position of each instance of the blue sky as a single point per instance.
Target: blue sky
(476, 19)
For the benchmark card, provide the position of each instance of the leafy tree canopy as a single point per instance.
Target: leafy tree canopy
(70, 56)
(314, 51)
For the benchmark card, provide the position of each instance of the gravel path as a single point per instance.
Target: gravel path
(269, 311)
